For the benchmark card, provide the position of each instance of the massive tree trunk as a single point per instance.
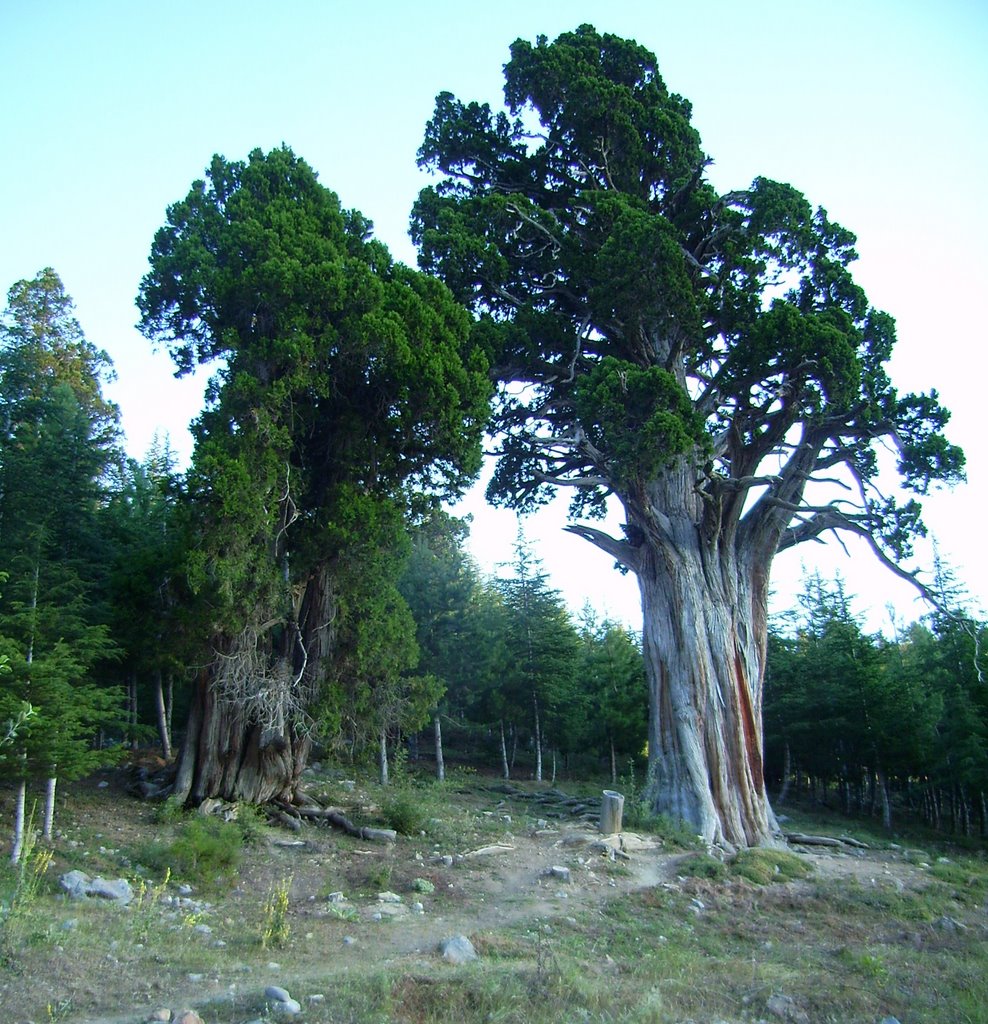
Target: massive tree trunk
(247, 738)
(704, 637)
(704, 654)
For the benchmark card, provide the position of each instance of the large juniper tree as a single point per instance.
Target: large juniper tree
(345, 380)
(702, 357)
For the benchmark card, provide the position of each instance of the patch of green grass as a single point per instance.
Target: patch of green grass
(702, 865)
(204, 850)
(764, 867)
(968, 879)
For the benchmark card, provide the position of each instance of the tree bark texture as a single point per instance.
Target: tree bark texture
(17, 846)
(48, 819)
(161, 713)
(383, 757)
(239, 748)
(505, 770)
(227, 755)
(704, 641)
(440, 763)
(538, 737)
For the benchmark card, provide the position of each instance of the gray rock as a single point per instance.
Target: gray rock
(277, 993)
(889, 1020)
(457, 949)
(80, 886)
(74, 883)
(785, 1008)
(559, 872)
(286, 1008)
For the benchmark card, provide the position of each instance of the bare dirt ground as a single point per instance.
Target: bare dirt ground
(503, 851)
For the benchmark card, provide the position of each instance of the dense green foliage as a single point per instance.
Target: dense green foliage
(346, 384)
(880, 723)
(58, 447)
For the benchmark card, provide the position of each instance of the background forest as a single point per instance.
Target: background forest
(102, 633)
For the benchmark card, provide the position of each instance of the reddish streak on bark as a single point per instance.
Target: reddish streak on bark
(748, 725)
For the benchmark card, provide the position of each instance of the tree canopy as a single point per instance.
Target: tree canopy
(653, 317)
(346, 389)
(704, 357)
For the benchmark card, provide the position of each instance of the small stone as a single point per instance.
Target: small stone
(103, 785)
(195, 978)
(287, 1007)
(559, 872)
(457, 949)
(316, 997)
(70, 926)
(348, 940)
(163, 1014)
(219, 944)
(388, 897)
(277, 992)
(336, 897)
(188, 1017)
(418, 908)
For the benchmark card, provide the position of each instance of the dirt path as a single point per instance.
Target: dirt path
(509, 888)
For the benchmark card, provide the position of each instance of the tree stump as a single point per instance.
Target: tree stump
(611, 809)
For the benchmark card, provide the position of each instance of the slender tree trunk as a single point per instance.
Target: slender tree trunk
(514, 744)
(704, 642)
(538, 738)
(553, 779)
(440, 763)
(48, 818)
(383, 756)
(613, 764)
(170, 706)
(505, 769)
(786, 771)
(162, 716)
(132, 709)
(17, 847)
(883, 792)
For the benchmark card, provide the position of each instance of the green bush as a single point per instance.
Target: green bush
(404, 813)
(204, 850)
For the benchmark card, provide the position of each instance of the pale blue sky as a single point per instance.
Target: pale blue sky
(874, 109)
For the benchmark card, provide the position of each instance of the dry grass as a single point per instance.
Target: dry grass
(671, 937)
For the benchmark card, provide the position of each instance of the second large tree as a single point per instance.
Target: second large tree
(344, 381)
(703, 357)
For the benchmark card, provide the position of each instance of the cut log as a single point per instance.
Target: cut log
(611, 812)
